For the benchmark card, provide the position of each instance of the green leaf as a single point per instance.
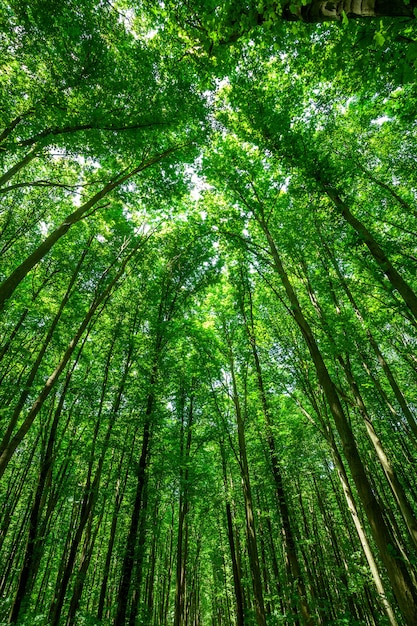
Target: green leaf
(379, 39)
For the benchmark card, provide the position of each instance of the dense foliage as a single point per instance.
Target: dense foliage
(208, 300)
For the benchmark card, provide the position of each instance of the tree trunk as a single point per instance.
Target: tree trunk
(35, 541)
(404, 590)
(325, 11)
(89, 542)
(360, 531)
(11, 446)
(396, 280)
(182, 547)
(130, 550)
(35, 367)
(381, 359)
(13, 281)
(20, 165)
(394, 483)
(136, 584)
(237, 575)
(109, 552)
(249, 510)
(292, 565)
(87, 507)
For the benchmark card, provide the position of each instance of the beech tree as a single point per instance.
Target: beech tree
(208, 313)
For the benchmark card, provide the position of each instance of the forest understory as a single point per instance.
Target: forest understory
(208, 313)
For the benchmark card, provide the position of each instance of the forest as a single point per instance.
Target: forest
(208, 313)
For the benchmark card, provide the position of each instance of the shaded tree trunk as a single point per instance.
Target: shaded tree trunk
(182, 547)
(249, 509)
(395, 278)
(130, 550)
(11, 445)
(402, 584)
(18, 166)
(237, 574)
(294, 574)
(46, 342)
(35, 541)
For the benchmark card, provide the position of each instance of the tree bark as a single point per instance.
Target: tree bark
(35, 540)
(237, 574)
(374, 344)
(395, 278)
(35, 367)
(11, 446)
(249, 510)
(403, 587)
(130, 550)
(391, 476)
(325, 11)
(112, 538)
(295, 577)
(20, 165)
(182, 547)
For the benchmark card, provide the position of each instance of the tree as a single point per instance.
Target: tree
(209, 320)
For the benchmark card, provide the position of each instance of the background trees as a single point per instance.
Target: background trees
(208, 320)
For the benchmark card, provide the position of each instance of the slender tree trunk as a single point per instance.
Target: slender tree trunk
(14, 492)
(182, 547)
(166, 311)
(130, 550)
(80, 579)
(10, 128)
(351, 505)
(35, 367)
(86, 510)
(11, 446)
(292, 565)
(361, 533)
(20, 165)
(396, 487)
(237, 574)
(150, 581)
(407, 207)
(89, 543)
(12, 282)
(403, 587)
(14, 555)
(168, 569)
(6, 346)
(396, 280)
(249, 510)
(381, 359)
(136, 584)
(34, 545)
(109, 552)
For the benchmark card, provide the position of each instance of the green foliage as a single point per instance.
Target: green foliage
(243, 125)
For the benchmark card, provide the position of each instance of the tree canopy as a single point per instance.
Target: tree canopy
(208, 313)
